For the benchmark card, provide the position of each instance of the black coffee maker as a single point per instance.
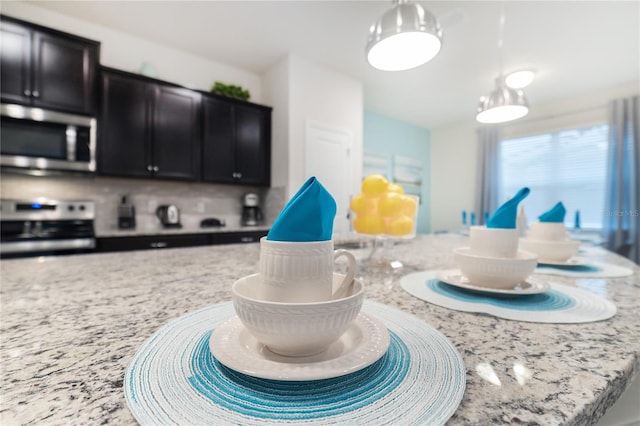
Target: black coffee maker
(251, 213)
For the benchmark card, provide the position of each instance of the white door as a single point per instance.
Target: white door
(328, 158)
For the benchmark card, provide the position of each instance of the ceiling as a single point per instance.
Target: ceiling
(575, 46)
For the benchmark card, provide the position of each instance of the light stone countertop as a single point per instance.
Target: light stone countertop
(70, 326)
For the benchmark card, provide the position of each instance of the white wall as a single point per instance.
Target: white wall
(453, 174)
(454, 148)
(122, 51)
(317, 94)
(276, 93)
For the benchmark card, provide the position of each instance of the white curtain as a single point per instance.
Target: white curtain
(621, 229)
(488, 177)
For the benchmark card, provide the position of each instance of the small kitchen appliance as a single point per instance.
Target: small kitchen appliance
(251, 213)
(38, 227)
(169, 216)
(126, 214)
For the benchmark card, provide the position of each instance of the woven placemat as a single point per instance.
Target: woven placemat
(591, 269)
(560, 304)
(174, 379)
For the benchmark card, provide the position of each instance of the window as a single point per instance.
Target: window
(567, 166)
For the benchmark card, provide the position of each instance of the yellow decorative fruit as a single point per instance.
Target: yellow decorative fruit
(391, 204)
(394, 187)
(369, 224)
(409, 206)
(374, 185)
(361, 204)
(399, 226)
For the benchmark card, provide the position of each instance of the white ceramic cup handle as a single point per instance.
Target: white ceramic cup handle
(351, 271)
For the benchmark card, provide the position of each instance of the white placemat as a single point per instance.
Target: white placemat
(174, 379)
(561, 304)
(592, 269)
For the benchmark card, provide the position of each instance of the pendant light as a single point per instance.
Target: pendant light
(405, 37)
(504, 103)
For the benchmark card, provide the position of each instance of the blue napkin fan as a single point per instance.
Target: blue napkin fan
(505, 216)
(308, 216)
(555, 214)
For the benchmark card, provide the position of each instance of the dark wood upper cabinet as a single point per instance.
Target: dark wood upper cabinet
(148, 128)
(47, 68)
(236, 144)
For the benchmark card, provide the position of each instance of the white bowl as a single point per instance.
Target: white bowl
(295, 329)
(556, 251)
(495, 272)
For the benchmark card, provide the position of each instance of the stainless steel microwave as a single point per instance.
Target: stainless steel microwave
(42, 140)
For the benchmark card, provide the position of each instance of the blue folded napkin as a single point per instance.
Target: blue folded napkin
(555, 214)
(505, 216)
(308, 216)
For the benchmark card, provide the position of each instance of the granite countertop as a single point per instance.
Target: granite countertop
(70, 326)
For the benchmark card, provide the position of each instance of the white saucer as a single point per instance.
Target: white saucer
(532, 285)
(574, 261)
(364, 342)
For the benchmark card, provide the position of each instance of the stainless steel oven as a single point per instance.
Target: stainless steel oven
(40, 140)
(38, 227)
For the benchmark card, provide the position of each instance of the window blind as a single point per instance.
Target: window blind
(567, 166)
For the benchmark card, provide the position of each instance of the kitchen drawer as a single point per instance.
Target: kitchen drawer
(237, 237)
(106, 244)
(151, 242)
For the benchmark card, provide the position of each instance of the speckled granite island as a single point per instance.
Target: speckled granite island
(72, 324)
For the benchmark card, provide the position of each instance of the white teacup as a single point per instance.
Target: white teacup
(548, 231)
(493, 242)
(301, 271)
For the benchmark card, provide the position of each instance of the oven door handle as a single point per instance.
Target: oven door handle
(44, 245)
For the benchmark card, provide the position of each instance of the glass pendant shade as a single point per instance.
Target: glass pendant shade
(502, 105)
(404, 37)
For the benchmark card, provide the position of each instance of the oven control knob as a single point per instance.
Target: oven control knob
(71, 208)
(81, 207)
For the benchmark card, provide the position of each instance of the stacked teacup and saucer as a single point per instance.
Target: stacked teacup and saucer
(298, 319)
(549, 239)
(493, 263)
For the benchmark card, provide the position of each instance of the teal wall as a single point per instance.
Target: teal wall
(386, 138)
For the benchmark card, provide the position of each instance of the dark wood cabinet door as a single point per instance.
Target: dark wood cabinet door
(252, 147)
(176, 133)
(15, 63)
(45, 68)
(236, 142)
(123, 146)
(218, 150)
(64, 73)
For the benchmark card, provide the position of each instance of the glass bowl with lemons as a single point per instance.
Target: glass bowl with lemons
(384, 212)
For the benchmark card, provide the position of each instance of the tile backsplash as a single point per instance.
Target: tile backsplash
(195, 200)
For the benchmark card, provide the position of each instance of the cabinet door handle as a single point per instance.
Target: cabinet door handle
(35, 94)
(149, 168)
(239, 175)
(160, 244)
(246, 239)
(156, 168)
(27, 92)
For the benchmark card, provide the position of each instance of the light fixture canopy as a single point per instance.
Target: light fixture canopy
(519, 79)
(405, 37)
(502, 105)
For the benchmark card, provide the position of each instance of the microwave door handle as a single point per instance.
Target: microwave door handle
(72, 139)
